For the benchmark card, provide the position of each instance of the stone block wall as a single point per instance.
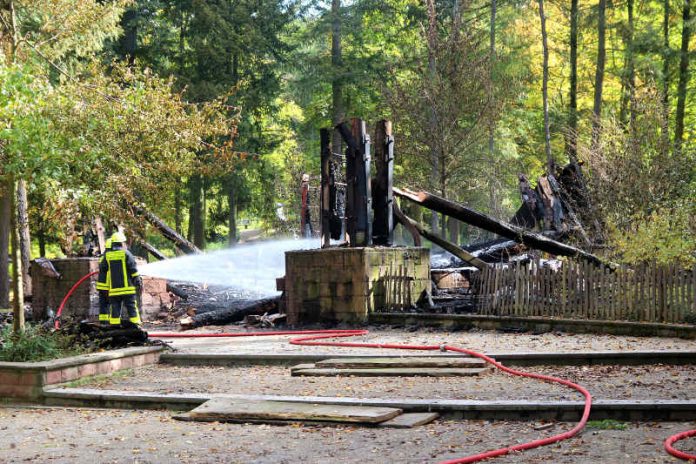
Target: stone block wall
(346, 284)
(154, 297)
(48, 291)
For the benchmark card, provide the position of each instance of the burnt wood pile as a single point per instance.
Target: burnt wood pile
(197, 305)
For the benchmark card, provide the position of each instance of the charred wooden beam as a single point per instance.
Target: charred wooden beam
(232, 313)
(404, 221)
(169, 233)
(152, 250)
(447, 245)
(382, 195)
(483, 221)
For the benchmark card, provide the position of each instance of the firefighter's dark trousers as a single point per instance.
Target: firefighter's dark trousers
(130, 302)
(103, 306)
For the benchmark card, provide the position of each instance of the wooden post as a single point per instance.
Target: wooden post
(325, 188)
(363, 196)
(382, 194)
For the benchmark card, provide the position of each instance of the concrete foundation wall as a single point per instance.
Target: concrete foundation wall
(346, 284)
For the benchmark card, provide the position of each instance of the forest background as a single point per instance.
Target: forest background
(207, 112)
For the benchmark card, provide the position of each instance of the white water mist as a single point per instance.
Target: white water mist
(249, 268)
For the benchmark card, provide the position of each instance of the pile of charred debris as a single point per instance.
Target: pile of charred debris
(550, 218)
(195, 305)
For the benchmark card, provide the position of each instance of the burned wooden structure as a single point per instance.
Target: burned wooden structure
(357, 211)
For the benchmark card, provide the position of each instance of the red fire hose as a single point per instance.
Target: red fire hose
(675, 452)
(67, 296)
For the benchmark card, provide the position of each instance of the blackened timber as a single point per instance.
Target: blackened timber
(152, 250)
(325, 188)
(363, 196)
(351, 161)
(169, 233)
(347, 136)
(485, 222)
(404, 220)
(232, 313)
(382, 195)
(447, 245)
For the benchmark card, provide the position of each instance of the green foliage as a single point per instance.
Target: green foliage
(34, 344)
(665, 236)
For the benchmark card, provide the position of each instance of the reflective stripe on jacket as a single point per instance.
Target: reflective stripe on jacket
(103, 280)
(121, 268)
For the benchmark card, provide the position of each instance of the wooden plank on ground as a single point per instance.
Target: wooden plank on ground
(368, 363)
(235, 410)
(392, 372)
(410, 420)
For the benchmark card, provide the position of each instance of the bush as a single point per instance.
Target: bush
(34, 344)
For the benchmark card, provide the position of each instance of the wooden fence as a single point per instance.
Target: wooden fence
(579, 290)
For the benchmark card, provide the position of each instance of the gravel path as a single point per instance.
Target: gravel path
(60, 435)
(487, 341)
(606, 382)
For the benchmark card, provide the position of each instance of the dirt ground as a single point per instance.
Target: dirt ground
(60, 435)
(604, 382)
(486, 341)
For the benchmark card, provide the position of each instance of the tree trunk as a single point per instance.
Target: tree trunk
(627, 112)
(545, 88)
(24, 236)
(599, 73)
(338, 111)
(572, 137)
(129, 39)
(5, 230)
(493, 198)
(665, 79)
(41, 236)
(683, 77)
(17, 287)
(232, 215)
(196, 212)
(177, 209)
(435, 154)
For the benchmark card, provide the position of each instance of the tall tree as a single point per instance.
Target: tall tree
(435, 148)
(683, 77)
(544, 88)
(599, 73)
(572, 135)
(492, 187)
(5, 211)
(627, 114)
(666, 53)
(338, 111)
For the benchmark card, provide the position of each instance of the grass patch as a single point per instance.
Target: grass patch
(99, 379)
(607, 424)
(36, 344)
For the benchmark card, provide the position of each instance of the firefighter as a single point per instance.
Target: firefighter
(103, 287)
(123, 280)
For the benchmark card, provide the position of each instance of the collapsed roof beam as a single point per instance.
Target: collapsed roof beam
(485, 222)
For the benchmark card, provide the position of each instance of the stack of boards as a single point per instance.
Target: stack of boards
(223, 409)
(407, 366)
